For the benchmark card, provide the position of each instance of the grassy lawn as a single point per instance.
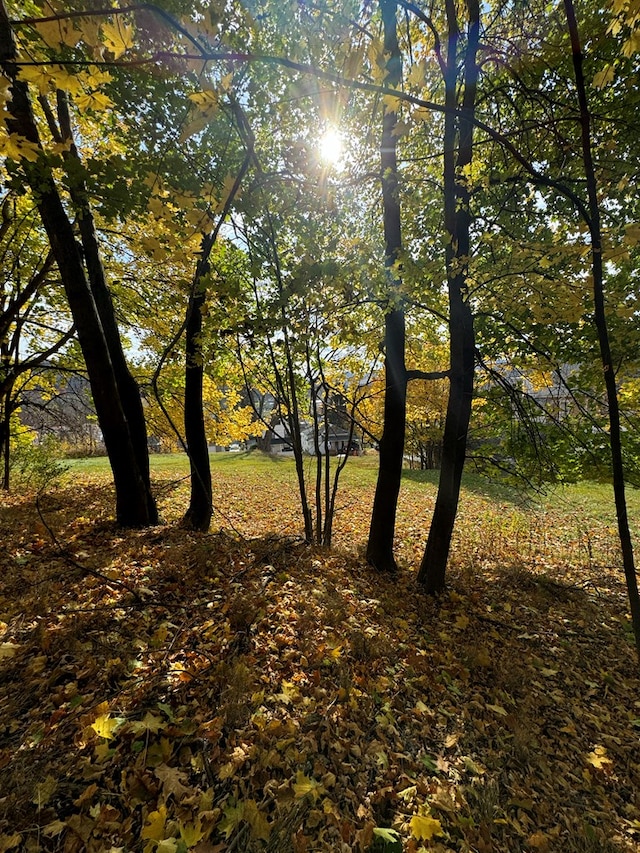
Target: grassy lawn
(589, 500)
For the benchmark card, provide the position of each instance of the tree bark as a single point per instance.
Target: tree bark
(383, 517)
(198, 514)
(458, 153)
(127, 386)
(200, 510)
(595, 230)
(133, 505)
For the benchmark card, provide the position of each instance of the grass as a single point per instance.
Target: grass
(572, 526)
(587, 501)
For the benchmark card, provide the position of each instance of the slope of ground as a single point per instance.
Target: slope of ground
(238, 691)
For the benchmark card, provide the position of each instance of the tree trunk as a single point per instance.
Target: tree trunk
(383, 517)
(461, 331)
(200, 510)
(198, 514)
(133, 505)
(615, 436)
(5, 436)
(127, 386)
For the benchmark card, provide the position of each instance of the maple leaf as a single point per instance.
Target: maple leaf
(191, 833)
(424, 827)
(105, 725)
(599, 758)
(149, 723)
(8, 842)
(17, 148)
(56, 33)
(304, 785)
(388, 835)
(154, 825)
(260, 827)
(44, 791)
(93, 101)
(233, 815)
(118, 37)
(172, 781)
(39, 75)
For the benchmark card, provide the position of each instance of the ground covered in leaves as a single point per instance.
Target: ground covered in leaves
(162, 691)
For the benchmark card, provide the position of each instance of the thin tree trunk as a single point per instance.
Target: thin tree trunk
(461, 332)
(383, 517)
(198, 514)
(5, 438)
(132, 498)
(615, 436)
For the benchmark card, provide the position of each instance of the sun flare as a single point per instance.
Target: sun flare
(331, 147)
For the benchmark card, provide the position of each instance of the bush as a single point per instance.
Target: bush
(37, 466)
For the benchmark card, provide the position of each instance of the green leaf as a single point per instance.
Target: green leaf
(389, 835)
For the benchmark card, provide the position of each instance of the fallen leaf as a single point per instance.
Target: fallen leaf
(424, 827)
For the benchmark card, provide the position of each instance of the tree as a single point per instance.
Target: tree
(598, 277)
(383, 516)
(33, 329)
(115, 392)
(458, 155)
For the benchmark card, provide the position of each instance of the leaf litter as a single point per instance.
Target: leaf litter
(169, 691)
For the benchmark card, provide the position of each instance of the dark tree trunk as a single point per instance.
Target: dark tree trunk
(5, 436)
(127, 386)
(133, 505)
(200, 509)
(198, 514)
(383, 517)
(615, 436)
(458, 151)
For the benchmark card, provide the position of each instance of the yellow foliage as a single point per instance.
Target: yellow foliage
(154, 825)
(424, 827)
(118, 37)
(17, 148)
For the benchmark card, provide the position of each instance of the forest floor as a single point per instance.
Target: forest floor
(165, 691)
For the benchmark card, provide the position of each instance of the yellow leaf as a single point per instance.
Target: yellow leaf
(206, 101)
(260, 827)
(598, 758)
(392, 103)
(44, 791)
(93, 101)
(149, 723)
(55, 33)
(191, 833)
(425, 827)
(304, 785)
(117, 37)
(167, 845)
(497, 709)
(154, 825)
(54, 828)
(105, 725)
(38, 75)
(8, 650)
(461, 623)
(65, 81)
(417, 74)
(8, 842)
(96, 77)
(604, 78)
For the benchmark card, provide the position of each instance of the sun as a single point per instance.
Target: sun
(331, 147)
